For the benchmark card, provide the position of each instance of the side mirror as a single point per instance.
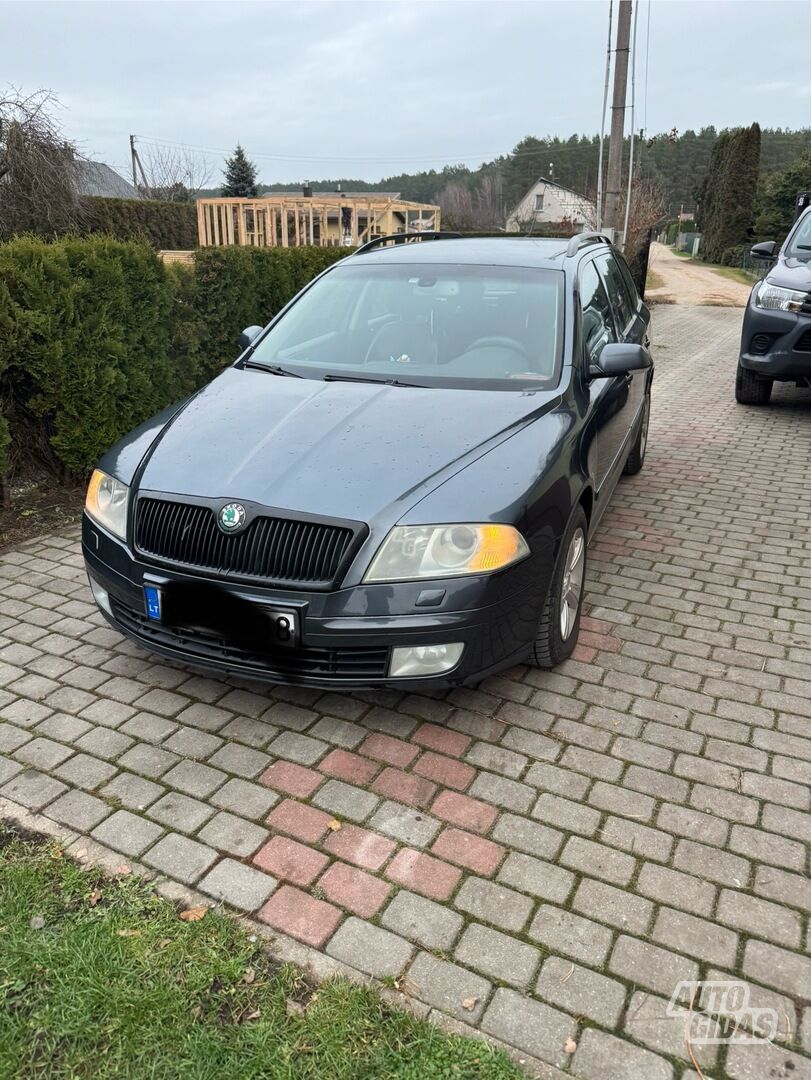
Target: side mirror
(619, 358)
(768, 250)
(249, 336)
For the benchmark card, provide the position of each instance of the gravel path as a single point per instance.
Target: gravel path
(688, 282)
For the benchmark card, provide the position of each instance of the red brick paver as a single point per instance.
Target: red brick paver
(292, 779)
(354, 889)
(349, 767)
(404, 787)
(444, 770)
(301, 916)
(290, 861)
(477, 854)
(464, 811)
(304, 822)
(360, 846)
(385, 748)
(423, 874)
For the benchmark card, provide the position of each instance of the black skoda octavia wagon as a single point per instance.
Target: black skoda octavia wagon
(396, 481)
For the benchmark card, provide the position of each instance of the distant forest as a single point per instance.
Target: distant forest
(678, 162)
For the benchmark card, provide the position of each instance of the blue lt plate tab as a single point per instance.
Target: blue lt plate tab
(152, 596)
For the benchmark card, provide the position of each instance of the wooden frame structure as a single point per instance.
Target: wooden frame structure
(318, 220)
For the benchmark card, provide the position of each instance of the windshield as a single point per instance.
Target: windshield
(430, 325)
(800, 246)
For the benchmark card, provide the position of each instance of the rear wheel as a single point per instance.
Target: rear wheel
(751, 390)
(636, 458)
(559, 623)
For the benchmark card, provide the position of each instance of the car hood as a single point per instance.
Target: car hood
(791, 273)
(337, 449)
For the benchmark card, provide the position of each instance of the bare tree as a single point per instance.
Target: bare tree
(476, 210)
(37, 167)
(647, 209)
(173, 173)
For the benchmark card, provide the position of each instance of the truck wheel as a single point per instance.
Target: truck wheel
(559, 623)
(750, 390)
(636, 458)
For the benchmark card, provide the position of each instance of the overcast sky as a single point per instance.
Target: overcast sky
(370, 89)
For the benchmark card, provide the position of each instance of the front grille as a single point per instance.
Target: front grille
(344, 664)
(803, 343)
(761, 343)
(272, 550)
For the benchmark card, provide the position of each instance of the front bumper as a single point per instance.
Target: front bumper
(346, 635)
(776, 344)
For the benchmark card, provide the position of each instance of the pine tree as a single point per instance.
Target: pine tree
(240, 176)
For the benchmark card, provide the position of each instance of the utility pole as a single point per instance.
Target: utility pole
(134, 159)
(613, 187)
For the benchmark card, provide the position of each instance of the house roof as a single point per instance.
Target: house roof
(96, 178)
(553, 183)
(298, 194)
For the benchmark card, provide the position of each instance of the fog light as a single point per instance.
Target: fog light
(100, 595)
(416, 660)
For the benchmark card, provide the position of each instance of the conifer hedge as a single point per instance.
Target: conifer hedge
(727, 195)
(97, 334)
(168, 226)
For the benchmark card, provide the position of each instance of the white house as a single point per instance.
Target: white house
(548, 203)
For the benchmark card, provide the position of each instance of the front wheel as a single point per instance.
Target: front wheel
(559, 623)
(751, 390)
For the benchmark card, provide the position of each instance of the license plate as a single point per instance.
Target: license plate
(262, 625)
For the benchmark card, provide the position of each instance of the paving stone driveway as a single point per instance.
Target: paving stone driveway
(545, 857)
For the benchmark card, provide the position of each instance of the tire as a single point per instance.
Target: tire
(636, 458)
(751, 390)
(553, 643)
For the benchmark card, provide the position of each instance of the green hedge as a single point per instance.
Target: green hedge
(98, 334)
(167, 225)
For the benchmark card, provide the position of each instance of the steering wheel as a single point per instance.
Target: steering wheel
(499, 342)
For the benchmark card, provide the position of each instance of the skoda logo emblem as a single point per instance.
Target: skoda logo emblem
(232, 517)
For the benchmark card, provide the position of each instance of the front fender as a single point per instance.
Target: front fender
(124, 457)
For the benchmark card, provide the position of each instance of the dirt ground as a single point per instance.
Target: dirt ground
(39, 504)
(683, 281)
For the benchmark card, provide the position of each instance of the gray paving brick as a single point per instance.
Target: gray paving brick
(194, 778)
(240, 760)
(150, 761)
(572, 935)
(12, 737)
(28, 786)
(783, 887)
(618, 907)
(339, 732)
(61, 726)
(299, 748)
(649, 966)
(497, 759)
(546, 880)
(753, 1062)
(43, 753)
(422, 921)
(597, 859)
(651, 1021)
(148, 728)
(676, 889)
(127, 833)
(502, 791)
(497, 955)
(449, 987)
(177, 811)
(85, 771)
(24, 713)
(412, 827)
(378, 952)
(529, 1025)
(180, 858)
(79, 810)
(581, 991)
(552, 778)
(241, 796)
(238, 885)
(247, 729)
(166, 703)
(189, 742)
(600, 1056)
(528, 836)
(104, 743)
(345, 800)
(494, 903)
(565, 814)
(110, 713)
(132, 791)
(707, 862)
(233, 834)
(778, 968)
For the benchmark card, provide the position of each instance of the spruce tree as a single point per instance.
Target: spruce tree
(240, 176)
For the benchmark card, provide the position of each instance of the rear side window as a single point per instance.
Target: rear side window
(597, 320)
(617, 288)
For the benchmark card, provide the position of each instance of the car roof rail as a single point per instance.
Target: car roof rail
(581, 239)
(405, 238)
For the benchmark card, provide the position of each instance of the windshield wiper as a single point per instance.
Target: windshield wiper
(274, 369)
(367, 379)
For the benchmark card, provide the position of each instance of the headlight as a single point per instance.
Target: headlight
(437, 551)
(106, 502)
(776, 298)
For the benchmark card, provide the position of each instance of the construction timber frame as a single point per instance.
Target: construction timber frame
(318, 220)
